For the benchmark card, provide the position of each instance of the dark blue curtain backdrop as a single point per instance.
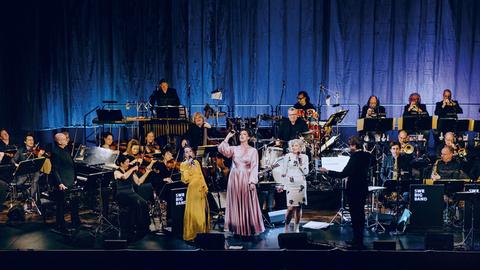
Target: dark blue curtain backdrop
(59, 59)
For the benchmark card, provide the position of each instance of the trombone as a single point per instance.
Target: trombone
(407, 149)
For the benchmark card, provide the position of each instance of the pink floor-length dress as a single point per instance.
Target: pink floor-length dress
(242, 215)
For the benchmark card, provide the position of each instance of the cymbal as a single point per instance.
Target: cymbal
(310, 132)
(219, 114)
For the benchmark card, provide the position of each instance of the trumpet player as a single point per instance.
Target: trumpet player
(415, 106)
(447, 108)
(447, 167)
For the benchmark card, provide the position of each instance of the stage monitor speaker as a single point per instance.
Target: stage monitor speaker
(426, 205)
(210, 241)
(110, 244)
(439, 241)
(178, 198)
(277, 217)
(293, 241)
(385, 245)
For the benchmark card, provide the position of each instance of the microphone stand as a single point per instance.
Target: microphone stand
(279, 111)
(189, 101)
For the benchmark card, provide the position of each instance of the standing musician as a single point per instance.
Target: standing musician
(295, 167)
(394, 166)
(29, 151)
(292, 127)
(447, 167)
(64, 177)
(448, 108)
(127, 197)
(373, 108)
(151, 146)
(356, 170)
(415, 106)
(197, 213)
(164, 96)
(197, 133)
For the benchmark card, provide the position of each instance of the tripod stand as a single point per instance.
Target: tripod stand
(103, 224)
(342, 212)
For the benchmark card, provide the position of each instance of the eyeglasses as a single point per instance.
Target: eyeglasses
(300, 98)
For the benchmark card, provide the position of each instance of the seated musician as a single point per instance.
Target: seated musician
(448, 108)
(26, 152)
(127, 197)
(415, 106)
(64, 179)
(164, 96)
(303, 103)
(133, 151)
(448, 140)
(6, 146)
(373, 108)
(151, 146)
(292, 127)
(195, 136)
(447, 167)
(107, 141)
(395, 166)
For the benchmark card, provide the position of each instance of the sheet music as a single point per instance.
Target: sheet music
(335, 163)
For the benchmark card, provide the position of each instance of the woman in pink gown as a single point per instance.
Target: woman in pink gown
(243, 215)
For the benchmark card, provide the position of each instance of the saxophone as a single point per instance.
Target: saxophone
(435, 170)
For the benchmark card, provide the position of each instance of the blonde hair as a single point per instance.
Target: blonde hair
(198, 114)
(130, 145)
(301, 143)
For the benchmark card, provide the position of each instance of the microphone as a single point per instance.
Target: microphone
(191, 161)
(283, 84)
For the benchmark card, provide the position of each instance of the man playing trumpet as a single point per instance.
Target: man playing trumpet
(447, 108)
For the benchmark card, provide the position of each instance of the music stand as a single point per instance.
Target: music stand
(381, 125)
(451, 124)
(415, 123)
(336, 118)
(28, 167)
(109, 115)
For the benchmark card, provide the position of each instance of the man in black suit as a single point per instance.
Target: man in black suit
(357, 186)
(165, 96)
(448, 108)
(64, 177)
(292, 127)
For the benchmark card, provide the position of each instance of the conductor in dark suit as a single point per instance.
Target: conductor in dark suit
(164, 96)
(64, 179)
(357, 186)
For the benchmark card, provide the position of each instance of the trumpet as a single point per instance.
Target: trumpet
(407, 149)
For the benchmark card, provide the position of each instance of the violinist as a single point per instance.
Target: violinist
(448, 108)
(127, 197)
(29, 151)
(133, 151)
(197, 132)
(107, 141)
(151, 146)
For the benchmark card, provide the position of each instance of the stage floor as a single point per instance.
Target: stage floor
(34, 234)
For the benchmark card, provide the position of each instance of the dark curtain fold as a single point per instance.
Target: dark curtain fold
(59, 59)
